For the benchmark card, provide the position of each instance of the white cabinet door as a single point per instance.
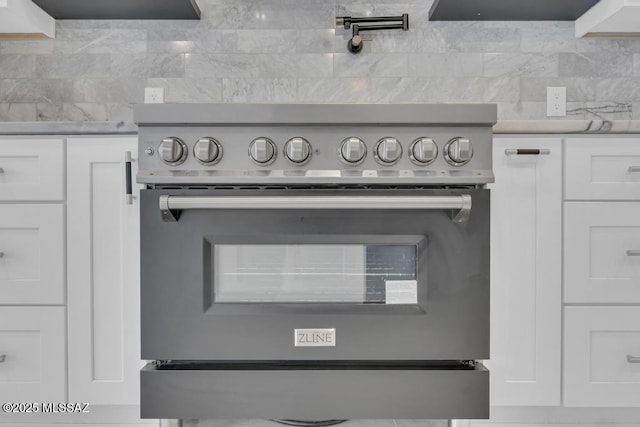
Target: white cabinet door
(32, 351)
(602, 356)
(602, 252)
(526, 220)
(103, 273)
(31, 169)
(31, 254)
(602, 168)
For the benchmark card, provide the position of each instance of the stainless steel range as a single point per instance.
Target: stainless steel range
(315, 261)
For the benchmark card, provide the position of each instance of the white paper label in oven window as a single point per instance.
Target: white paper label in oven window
(401, 291)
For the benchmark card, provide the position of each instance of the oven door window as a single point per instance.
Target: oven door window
(315, 273)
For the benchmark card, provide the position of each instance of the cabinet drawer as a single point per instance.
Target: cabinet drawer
(32, 350)
(602, 169)
(602, 252)
(31, 169)
(31, 254)
(602, 351)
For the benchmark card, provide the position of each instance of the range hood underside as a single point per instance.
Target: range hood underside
(120, 9)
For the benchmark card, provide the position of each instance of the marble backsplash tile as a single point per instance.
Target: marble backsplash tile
(445, 89)
(453, 64)
(520, 65)
(21, 91)
(547, 37)
(17, 112)
(17, 66)
(119, 90)
(370, 65)
(78, 112)
(335, 91)
(265, 41)
(71, 40)
(73, 65)
(318, 41)
(291, 51)
(277, 90)
(623, 89)
(600, 110)
(147, 65)
(595, 64)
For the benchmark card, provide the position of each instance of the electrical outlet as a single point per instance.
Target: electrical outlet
(153, 95)
(556, 101)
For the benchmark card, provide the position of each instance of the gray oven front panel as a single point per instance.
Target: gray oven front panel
(181, 319)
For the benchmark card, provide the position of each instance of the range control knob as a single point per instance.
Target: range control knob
(458, 151)
(207, 150)
(262, 151)
(297, 150)
(423, 151)
(353, 151)
(173, 151)
(388, 151)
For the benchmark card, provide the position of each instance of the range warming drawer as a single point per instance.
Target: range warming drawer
(226, 391)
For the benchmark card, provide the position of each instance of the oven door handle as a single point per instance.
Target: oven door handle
(170, 206)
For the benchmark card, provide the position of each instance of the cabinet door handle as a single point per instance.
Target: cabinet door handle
(633, 359)
(127, 172)
(1, 170)
(1, 254)
(3, 357)
(633, 169)
(633, 252)
(527, 151)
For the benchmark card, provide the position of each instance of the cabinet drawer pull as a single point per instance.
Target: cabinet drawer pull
(634, 169)
(527, 151)
(3, 357)
(1, 170)
(633, 359)
(1, 254)
(633, 253)
(128, 184)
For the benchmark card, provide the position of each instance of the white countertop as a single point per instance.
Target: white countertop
(567, 126)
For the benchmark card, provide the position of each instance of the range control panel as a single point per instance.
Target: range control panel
(303, 148)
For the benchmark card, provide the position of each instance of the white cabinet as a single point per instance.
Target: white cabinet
(602, 356)
(31, 169)
(32, 339)
(32, 354)
(103, 273)
(526, 221)
(31, 254)
(602, 252)
(602, 266)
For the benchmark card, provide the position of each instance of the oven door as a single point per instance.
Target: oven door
(341, 274)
